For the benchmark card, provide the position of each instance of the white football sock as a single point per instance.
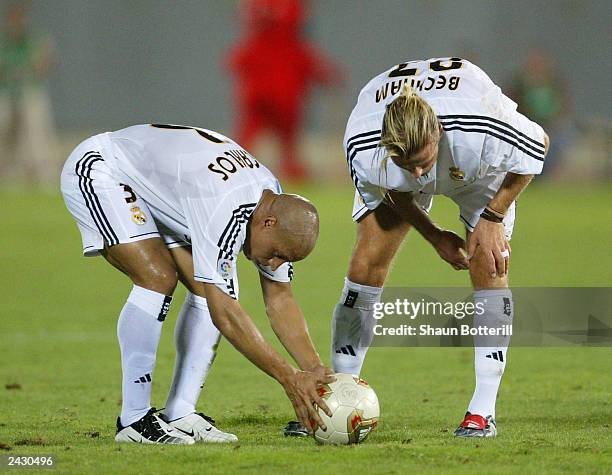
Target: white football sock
(138, 330)
(352, 325)
(196, 339)
(490, 360)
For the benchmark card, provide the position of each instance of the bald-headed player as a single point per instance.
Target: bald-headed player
(164, 203)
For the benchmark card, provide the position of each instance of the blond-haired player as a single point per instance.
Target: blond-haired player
(423, 128)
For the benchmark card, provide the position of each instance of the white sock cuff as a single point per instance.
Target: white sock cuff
(197, 301)
(358, 295)
(151, 302)
(489, 293)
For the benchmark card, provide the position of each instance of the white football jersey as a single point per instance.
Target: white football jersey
(483, 132)
(199, 185)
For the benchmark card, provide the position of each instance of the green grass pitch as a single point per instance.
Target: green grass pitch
(60, 370)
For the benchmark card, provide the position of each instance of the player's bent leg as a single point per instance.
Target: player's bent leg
(151, 268)
(147, 263)
(116, 223)
(379, 236)
(196, 339)
(490, 352)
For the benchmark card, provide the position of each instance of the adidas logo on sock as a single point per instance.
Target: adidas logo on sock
(144, 379)
(165, 308)
(496, 355)
(507, 307)
(347, 350)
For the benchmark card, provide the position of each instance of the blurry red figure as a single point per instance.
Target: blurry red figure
(274, 67)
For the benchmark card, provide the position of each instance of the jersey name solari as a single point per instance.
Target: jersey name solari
(199, 185)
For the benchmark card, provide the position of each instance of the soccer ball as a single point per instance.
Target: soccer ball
(354, 407)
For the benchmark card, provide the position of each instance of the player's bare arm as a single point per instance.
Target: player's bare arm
(236, 325)
(447, 244)
(289, 325)
(286, 318)
(488, 236)
(489, 231)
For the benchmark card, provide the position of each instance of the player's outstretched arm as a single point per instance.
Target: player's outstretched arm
(289, 325)
(447, 244)
(236, 325)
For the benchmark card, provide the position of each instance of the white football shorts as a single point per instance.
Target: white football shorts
(471, 199)
(105, 210)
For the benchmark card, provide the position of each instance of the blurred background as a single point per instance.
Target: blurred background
(281, 76)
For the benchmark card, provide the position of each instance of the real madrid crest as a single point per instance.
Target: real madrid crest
(138, 215)
(456, 173)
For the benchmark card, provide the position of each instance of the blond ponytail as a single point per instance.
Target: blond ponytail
(409, 124)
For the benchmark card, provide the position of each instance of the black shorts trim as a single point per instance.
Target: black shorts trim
(83, 170)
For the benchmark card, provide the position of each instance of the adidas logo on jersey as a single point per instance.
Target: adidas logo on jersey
(496, 355)
(347, 350)
(144, 379)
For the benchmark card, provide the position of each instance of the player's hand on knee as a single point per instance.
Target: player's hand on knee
(488, 239)
(451, 248)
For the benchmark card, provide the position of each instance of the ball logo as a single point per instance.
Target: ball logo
(225, 268)
(138, 215)
(348, 393)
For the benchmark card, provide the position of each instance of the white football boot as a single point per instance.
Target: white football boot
(151, 429)
(202, 429)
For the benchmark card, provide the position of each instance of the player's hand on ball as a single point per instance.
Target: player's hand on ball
(324, 374)
(451, 248)
(491, 239)
(301, 388)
